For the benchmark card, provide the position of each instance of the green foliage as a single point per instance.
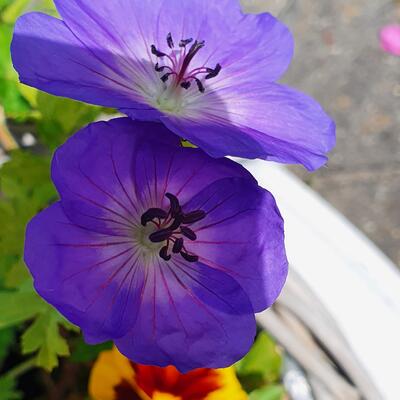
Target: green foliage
(85, 353)
(14, 9)
(3, 5)
(263, 359)
(262, 365)
(61, 117)
(26, 189)
(7, 337)
(17, 306)
(8, 389)
(43, 337)
(11, 98)
(274, 392)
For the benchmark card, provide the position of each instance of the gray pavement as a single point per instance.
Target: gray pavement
(339, 62)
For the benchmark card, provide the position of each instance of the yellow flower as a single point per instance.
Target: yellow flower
(114, 377)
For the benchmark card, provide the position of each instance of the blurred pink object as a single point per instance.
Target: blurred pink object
(390, 39)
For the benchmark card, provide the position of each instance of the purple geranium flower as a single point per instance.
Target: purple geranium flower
(163, 249)
(202, 67)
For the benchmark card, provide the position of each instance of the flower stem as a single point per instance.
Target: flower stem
(21, 368)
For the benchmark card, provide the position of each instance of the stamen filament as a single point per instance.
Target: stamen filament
(179, 68)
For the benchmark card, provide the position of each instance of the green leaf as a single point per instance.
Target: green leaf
(25, 175)
(61, 117)
(29, 93)
(7, 337)
(7, 389)
(18, 306)
(14, 104)
(44, 337)
(26, 188)
(275, 392)
(85, 353)
(263, 359)
(4, 4)
(262, 365)
(17, 274)
(14, 10)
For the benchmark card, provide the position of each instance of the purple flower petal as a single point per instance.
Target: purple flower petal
(279, 123)
(104, 186)
(248, 43)
(195, 317)
(243, 220)
(160, 248)
(49, 56)
(203, 68)
(93, 279)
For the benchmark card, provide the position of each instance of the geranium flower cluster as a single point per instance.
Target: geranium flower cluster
(168, 251)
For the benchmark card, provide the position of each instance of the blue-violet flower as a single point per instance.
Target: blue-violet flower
(163, 249)
(201, 67)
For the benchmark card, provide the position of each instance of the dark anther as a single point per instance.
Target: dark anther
(158, 68)
(185, 42)
(164, 253)
(186, 85)
(172, 229)
(178, 246)
(213, 72)
(165, 77)
(160, 235)
(188, 233)
(174, 203)
(170, 41)
(152, 213)
(194, 216)
(194, 49)
(200, 85)
(189, 257)
(176, 223)
(157, 52)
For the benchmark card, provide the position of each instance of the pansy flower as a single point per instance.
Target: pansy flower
(203, 68)
(163, 249)
(114, 377)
